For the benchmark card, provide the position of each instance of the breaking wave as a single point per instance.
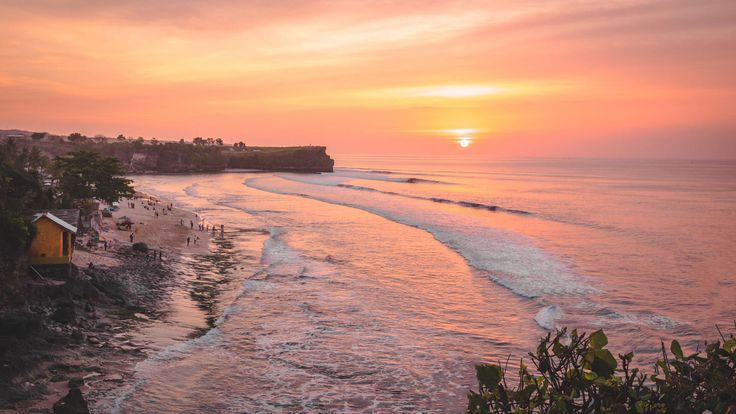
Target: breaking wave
(469, 204)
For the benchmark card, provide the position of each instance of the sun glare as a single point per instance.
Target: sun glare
(464, 141)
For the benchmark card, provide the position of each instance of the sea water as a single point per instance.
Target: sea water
(377, 288)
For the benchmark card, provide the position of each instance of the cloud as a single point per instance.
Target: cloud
(385, 65)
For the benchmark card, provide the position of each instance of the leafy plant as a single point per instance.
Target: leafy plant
(575, 373)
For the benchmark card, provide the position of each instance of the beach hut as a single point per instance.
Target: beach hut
(53, 243)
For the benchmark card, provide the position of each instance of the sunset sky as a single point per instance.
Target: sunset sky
(514, 78)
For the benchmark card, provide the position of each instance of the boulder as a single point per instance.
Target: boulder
(140, 247)
(72, 403)
(65, 312)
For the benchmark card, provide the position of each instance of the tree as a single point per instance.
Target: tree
(38, 135)
(120, 137)
(84, 175)
(199, 141)
(21, 189)
(219, 141)
(76, 137)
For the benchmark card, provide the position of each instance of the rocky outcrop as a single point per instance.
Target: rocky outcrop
(303, 159)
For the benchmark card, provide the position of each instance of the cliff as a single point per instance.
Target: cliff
(168, 157)
(184, 157)
(303, 159)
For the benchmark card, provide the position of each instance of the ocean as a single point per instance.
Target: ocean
(377, 288)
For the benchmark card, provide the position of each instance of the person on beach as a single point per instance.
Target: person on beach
(131, 237)
(188, 239)
(181, 222)
(195, 239)
(191, 224)
(105, 244)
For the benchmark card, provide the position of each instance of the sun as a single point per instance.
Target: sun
(464, 141)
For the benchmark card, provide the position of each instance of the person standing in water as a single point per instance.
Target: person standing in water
(188, 239)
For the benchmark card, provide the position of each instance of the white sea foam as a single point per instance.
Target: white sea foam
(508, 258)
(547, 316)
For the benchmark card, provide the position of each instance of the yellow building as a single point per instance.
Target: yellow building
(54, 240)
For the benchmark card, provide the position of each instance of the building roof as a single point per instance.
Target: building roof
(63, 218)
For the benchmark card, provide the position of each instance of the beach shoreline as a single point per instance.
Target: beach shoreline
(115, 292)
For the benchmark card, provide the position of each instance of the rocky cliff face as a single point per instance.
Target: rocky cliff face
(175, 157)
(303, 159)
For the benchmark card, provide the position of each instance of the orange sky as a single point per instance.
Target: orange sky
(515, 78)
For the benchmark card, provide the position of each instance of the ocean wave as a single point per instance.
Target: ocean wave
(509, 259)
(388, 176)
(469, 204)
(414, 180)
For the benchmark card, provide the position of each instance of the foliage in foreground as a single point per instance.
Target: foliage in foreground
(577, 374)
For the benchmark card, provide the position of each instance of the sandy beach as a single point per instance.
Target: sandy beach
(96, 351)
(166, 231)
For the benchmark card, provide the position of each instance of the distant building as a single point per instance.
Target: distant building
(56, 231)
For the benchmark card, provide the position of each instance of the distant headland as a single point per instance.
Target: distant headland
(140, 156)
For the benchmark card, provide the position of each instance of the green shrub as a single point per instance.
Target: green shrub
(575, 373)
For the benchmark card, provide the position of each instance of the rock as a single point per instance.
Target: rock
(75, 382)
(93, 340)
(103, 323)
(65, 312)
(141, 316)
(114, 377)
(128, 348)
(92, 375)
(140, 247)
(77, 336)
(72, 403)
(58, 377)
